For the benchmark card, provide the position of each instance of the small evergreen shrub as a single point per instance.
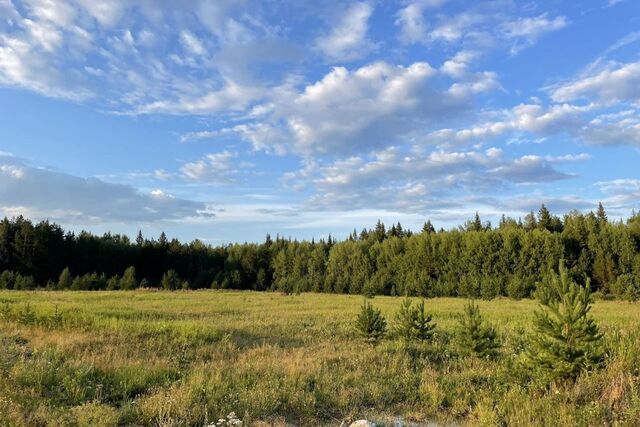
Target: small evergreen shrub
(566, 339)
(370, 323)
(412, 323)
(475, 335)
(113, 283)
(65, 280)
(170, 280)
(626, 287)
(129, 280)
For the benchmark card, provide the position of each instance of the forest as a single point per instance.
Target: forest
(474, 260)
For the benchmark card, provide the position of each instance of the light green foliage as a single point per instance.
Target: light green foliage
(477, 336)
(566, 339)
(370, 324)
(65, 279)
(113, 284)
(170, 280)
(412, 323)
(129, 280)
(626, 286)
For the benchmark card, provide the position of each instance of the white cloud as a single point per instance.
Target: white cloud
(43, 193)
(526, 31)
(415, 182)
(613, 129)
(618, 82)
(215, 168)
(192, 43)
(413, 28)
(348, 39)
(347, 111)
(230, 97)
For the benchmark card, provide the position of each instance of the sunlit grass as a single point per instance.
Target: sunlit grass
(189, 358)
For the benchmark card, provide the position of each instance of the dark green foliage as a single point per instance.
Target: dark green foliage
(7, 280)
(412, 323)
(475, 335)
(474, 261)
(370, 324)
(566, 339)
(24, 283)
(170, 280)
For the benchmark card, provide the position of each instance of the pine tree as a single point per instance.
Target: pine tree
(380, 231)
(129, 280)
(162, 240)
(370, 324)
(566, 339)
(170, 280)
(476, 224)
(428, 227)
(65, 280)
(530, 221)
(113, 283)
(139, 238)
(476, 336)
(412, 323)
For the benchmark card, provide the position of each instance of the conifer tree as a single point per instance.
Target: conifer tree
(428, 227)
(476, 336)
(566, 339)
(129, 280)
(170, 280)
(65, 280)
(370, 323)
(601, 214)
(412, 323)
(544, 219)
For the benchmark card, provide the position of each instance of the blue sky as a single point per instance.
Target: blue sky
(225, 120)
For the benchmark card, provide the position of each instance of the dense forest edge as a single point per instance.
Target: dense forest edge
(474, 260)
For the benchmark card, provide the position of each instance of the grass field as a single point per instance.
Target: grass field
(190, 358)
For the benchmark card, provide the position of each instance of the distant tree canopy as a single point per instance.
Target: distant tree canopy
(475, 260)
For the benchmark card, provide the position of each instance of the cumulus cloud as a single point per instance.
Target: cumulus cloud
(45, 193)
(622, 128)
(214, 168)
(531, 118)
(617, 82)
(348, 39)
(413, 28)
(350, 111)
(392, 177)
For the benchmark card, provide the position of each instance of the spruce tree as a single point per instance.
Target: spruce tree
(476, 336)
(601, 214)
(412, 323)
(566, 339)
(370, 324)
(544, 219)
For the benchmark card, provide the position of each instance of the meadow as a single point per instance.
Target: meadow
(189, 358)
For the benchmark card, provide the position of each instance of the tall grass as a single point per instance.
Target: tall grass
(191, 358)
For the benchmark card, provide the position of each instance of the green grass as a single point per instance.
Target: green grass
(189, 358)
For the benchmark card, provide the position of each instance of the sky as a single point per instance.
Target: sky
(227, 120)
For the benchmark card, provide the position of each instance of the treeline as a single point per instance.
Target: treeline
(474, 260)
